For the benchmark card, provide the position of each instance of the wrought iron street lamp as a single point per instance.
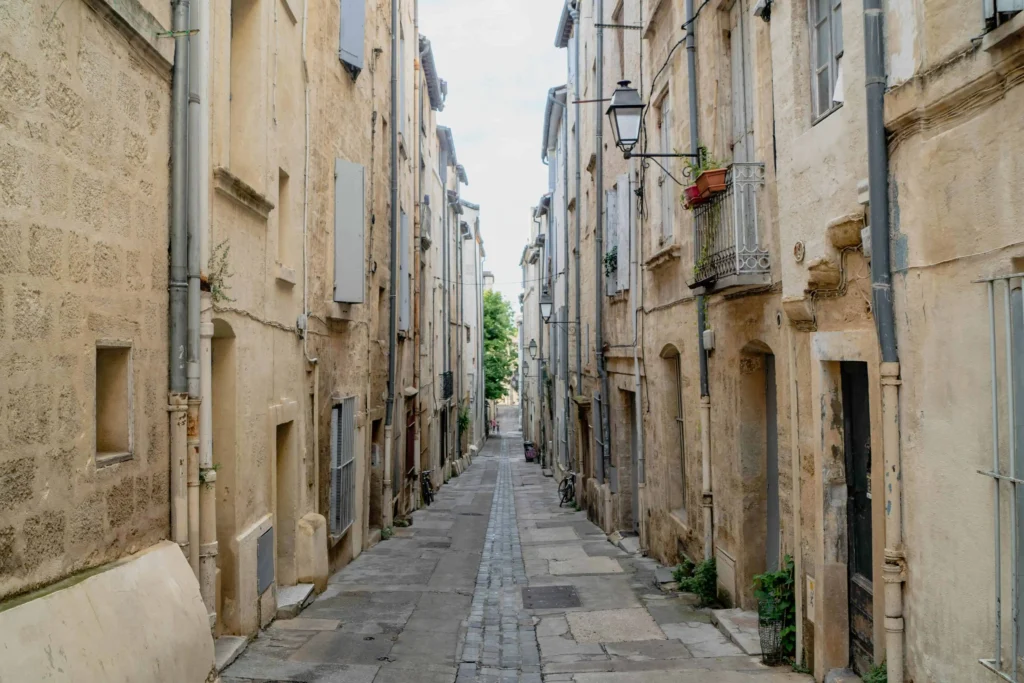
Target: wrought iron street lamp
(626, 116)
(533, 349)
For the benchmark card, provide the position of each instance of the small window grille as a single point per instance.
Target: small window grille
(343, 475)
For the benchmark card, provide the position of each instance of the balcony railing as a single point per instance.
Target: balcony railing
(730, 249)
(447, 385)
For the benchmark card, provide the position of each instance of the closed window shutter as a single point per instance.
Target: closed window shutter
(403, 274)
(353, 29)
(1003, 6)
(349, 220)
(335, 460)
(611, 240)
(625, 229)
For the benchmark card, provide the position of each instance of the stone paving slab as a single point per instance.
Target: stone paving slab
(616, 625)
(585, 565)
(703, 640)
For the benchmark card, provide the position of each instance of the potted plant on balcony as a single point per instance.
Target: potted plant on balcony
(611, 261)
(709, 178)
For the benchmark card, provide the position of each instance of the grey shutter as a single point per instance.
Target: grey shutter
(352, 30)
(993, 6)
(611, 240)
(625, 231)
(349, 222)
(403, 274)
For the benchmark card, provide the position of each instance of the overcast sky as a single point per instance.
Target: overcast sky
(499, 60)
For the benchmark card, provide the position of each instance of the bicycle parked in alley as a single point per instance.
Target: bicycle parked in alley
(567, 489)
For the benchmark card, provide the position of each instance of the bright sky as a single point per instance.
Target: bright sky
(499, 60)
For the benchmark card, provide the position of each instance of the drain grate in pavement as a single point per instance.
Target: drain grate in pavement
(550, 597)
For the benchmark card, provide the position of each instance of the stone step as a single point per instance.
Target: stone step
(292, 599)
(741, 628)
(226, 650)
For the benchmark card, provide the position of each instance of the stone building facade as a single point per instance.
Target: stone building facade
(805, 409)
(277, 465)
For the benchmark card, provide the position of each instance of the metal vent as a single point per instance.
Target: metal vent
(550, 597)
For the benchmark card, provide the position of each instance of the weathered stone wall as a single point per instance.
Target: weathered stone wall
(84, 132)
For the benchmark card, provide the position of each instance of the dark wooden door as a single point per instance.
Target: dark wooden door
(857, 427)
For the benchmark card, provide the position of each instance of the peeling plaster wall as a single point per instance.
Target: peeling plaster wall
(954, 163)
(84, 132)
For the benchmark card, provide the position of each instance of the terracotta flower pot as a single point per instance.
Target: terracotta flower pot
(712, 181)
(692, 196)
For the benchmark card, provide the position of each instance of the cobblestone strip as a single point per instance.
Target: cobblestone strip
(501, 643)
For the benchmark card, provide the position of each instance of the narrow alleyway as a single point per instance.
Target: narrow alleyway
(444, 600)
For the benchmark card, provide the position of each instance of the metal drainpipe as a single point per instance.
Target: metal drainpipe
(606, 446)
(579, 204)
(460, 346)
(192, 308)
(388, 504)
(705, 393)
(894, 569)
(565, 240)
(178, 285)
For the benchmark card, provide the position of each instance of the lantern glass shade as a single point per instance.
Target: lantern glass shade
(624, 114)
(533, 349)
(545, 310)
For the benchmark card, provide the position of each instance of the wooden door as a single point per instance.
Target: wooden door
(857, 428)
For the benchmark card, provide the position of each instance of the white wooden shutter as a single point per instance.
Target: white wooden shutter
(349, 221)
(352, 33)
(342, 472)
(625, 230)
(611, 239)
(403, 274)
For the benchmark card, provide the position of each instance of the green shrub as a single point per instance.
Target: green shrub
(683, 570)
(386, 533)
(703, 583)
(876, 675)
(776, 601)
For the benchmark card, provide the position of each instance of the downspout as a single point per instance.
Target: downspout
(177, 281)
(416, 278)
(199, 210)
(636, 247)
(314, 361)
(579, 207)
(603, 425)
(569, 446)
(894, 569)
(388, 503)
(707, 498)
(192, 316)
(445, 322)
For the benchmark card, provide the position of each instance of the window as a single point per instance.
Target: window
(404, 273)
(620, 38)
(999, 11)
(113, 403)
(401, 87)
(611, 241)
(665, 189)
(245, 91)
(284, 217)
(826, 19)
(343, 475)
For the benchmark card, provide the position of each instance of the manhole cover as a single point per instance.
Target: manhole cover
(550, 597)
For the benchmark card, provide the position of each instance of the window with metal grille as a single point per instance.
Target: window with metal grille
(343, 469)
(1006, 352)
(826, 19)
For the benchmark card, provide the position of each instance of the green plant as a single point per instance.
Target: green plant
(703, 583)
(776, 601)
(683, 570)
(500, 348)
(218, 273)
(463, 420)
(703, 162)
(611, 261)
(402, 522)
(802, 669)
(386, 533)
(877, 674)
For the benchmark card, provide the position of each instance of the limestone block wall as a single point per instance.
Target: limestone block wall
(84, 132)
